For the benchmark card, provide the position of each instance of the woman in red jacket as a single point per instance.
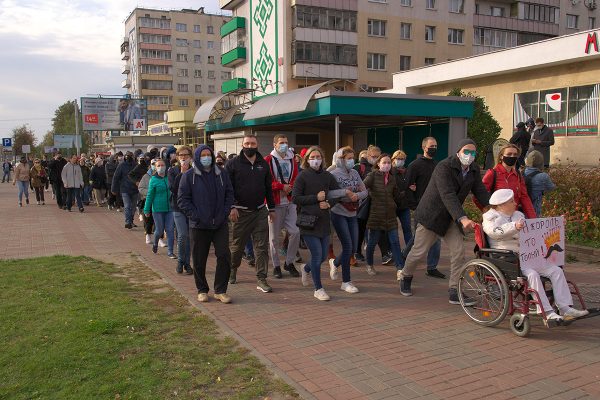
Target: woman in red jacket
(506, 176)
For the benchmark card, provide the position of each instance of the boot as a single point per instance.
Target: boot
(405, 283)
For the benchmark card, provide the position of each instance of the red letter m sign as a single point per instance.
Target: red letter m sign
(592, 39)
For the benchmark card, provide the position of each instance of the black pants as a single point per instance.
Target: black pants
(384, 243)
(201, 239)
(59, 193)
(39, 193)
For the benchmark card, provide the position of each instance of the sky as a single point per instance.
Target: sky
(60, 50)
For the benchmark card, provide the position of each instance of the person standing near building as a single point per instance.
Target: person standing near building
(38, 181)
(184, 157)
(21, 178)
(440, 214)
(128, 190)
(542, 139)
(521, 138)
(206, 197)
(251, 180)
(56, 166)
(72, 178)
(284, 171)
(6, 168)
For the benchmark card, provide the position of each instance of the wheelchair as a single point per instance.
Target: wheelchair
(494, 280)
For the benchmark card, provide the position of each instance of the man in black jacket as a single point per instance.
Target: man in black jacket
(128, 190)
(521, 138)
(541, 139)
(440, 214)
(251, 179)
(56, 166)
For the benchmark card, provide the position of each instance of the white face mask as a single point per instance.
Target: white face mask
(161, 170)
(400, 163)
(315, 164)
(385, 167)
(466, 159)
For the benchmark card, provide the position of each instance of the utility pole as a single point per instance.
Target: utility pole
(77, 128)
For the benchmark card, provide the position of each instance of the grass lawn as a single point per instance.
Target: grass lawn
(78, 328)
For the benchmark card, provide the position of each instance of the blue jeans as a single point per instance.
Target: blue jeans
(249, 249)
(404, 217)
(347, 232)
(318, 248)
(433, 255)
(129, 204)
(74, 194)
(394, 245)
(23, 189)
(183, 238)
(6, 176)
(163, 221)
(86, 194)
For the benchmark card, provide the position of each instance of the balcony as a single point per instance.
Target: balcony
(125, 54)
(125, 69)
(233, 57)
(125, 41)
(515, 24)
(233, 84)
(234, 24)
(126, 84)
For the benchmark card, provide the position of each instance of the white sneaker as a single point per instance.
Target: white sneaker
(399, 275)
(305, 276)
(572, 313)
(148, 239)
(141, 218)
(371, 270)
(333, 272)
(162, 243)
(321, 295)
(552, 316)
(349, 287)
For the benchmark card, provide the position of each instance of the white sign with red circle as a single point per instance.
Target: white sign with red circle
(553, 102)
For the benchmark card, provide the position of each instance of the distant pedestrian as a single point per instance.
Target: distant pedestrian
(542, 139)
(184, 156)
(21, 178)
(521, 138)
(6, 168)
(86, 190)
(38, 181)
(537, 181)
(128, 190)
(72, 178)
(143, 191)
(98, 179)
(55, 167)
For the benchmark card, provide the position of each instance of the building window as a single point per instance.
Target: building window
(376, 61)
(182, 57)
(211, 74)
(234, 40)
(181, 42)
(197, 73)
(198, 88)
(404, 63)
(430, 33)
(197, 59)
(198, 102)
(324, 18)
(405, 31)
(324, 53)
(429, 61)
(182, 72)
(196, 28)
(157, 85)
(211, 59)
(156, 69)
(181, 27)
(160, 100)
(457, 6)
(572, 21)
(225, 75)
(210, 30)
(591, 23)
(376, 27)
(537, 12)
(146, 22)
(497, 11)
(210, 44)
(456, 36)
(157, 39)
(182, 87)
(183, 102)
(197, 44)
(495, 38)
(159, 54)
(211, 89)
(430, 4)
(377, 1)
(406, 3)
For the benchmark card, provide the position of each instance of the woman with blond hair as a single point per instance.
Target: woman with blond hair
(402, 207)
(506, 176)
(315, 192)
(38, 180)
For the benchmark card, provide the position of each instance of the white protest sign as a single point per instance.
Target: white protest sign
(26, 149)
(542, 242)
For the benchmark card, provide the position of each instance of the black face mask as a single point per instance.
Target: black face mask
(510, 161)
(220, 163)
(249, 151)
(129, 158)
(431, 151)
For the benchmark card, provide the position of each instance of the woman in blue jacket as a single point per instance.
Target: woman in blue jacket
(206, 197)
(157, 203)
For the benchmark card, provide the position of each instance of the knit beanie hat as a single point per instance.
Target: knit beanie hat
(535, 159)
(465, 142)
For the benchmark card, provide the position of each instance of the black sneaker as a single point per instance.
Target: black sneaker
(435, 273)
(188, 270)
(386, 259)
(128, 226)
(277, 272)
(359, 257)
(292, 270)
(263, 286)
(453, 298)
(81, 209)
(26, 201)
(179, 268)
(249, 259)
(154, 248)
(233, 276)
(405, 283)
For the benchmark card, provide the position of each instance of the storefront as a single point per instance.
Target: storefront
(179, 123)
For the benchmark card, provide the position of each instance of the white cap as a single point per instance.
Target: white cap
(501, 196)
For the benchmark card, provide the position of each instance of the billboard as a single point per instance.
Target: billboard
(114, 114)
(66, 141)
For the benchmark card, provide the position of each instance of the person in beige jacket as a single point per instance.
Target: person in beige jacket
(72, 178)
(22, 177)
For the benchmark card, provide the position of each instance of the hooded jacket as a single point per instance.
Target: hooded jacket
(276, 181)
(98, 177)
(205, 197)
(251, 182)
(121, 182)
(71, 176)
(159, 195)
(110, 168)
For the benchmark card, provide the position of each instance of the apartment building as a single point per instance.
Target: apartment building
(172, 58)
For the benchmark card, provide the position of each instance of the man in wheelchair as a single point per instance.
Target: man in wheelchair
(502, 224)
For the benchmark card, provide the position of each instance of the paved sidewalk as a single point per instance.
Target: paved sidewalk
(372, 345)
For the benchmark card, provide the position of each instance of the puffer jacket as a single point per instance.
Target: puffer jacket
(384, 199)
(159, 195)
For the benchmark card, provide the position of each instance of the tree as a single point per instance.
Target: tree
(63, 123)
(483, 127)
(22, 135)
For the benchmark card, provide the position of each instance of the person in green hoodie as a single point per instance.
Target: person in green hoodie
(157, 203)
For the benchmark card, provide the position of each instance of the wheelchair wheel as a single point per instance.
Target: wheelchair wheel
(520, 328)
(482, 282)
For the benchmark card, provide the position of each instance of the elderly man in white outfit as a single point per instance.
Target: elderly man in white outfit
(502, 224)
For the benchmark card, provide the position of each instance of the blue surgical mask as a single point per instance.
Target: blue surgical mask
(206, 161)
(283, 148)
(349, 164)
(161, 170)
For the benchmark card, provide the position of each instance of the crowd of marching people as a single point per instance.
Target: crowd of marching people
(262, 209)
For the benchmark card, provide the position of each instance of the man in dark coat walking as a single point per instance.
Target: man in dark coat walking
(542, 139)
(521, 138)
(440, 214)
(55, 168)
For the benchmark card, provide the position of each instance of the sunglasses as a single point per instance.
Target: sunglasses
(470, 152)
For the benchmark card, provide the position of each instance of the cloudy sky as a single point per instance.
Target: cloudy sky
(59, 50)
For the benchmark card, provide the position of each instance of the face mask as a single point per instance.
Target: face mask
(249, 151)
(371, 160)
(510, 161)
(206, 161)
(153, 167)
(431, 151)
(400, 163)
(129, 158)
(466, 159)
(283, 148)
(161, 170)
(385, 167)
(120, 158)
(349, 164)
(314, 164)
(185, 162)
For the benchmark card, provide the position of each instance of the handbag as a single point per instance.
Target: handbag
(364, 209)
(306, 221)
(350, 206)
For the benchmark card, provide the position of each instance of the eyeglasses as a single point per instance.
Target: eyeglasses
(470, 152)
(185, 155)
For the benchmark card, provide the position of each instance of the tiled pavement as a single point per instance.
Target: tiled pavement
(372, 345)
